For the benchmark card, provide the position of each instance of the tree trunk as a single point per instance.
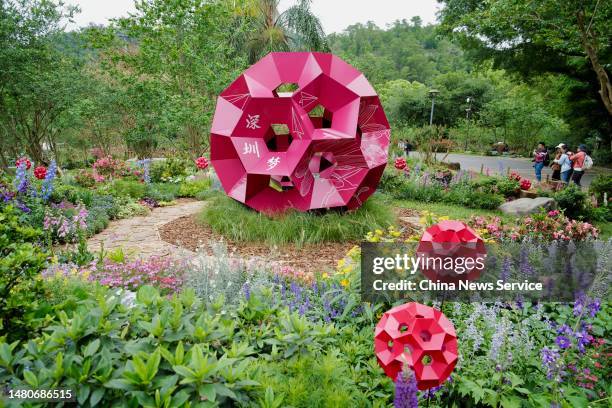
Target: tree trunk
(605, 87)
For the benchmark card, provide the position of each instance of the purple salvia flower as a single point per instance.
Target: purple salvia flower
(406, 390)
(563, 342)
(505, 271)
(247, 291)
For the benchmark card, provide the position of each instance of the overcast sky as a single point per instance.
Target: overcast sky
(335, 15)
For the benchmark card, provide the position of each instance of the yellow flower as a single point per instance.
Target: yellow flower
(395, 234)
(378, 232)
(344, 282)
(341, 263)
(325, 275)
(346, 270)
(74, 271)
(444, 218)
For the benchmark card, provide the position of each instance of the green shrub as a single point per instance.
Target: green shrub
(132, 209)
(601, 185)
(602, 157)
(21, 259)
(572, 200)
(166, 170)
(236, 222)
(128, 188)
(72, 193)
(193, 187)
(310, 381)
(162, 191)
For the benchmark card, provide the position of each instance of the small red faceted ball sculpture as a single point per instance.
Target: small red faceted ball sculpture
(40, 172)
(400, 163)
(25, 160)
(201, 163)
(420, 336)
(525, 184)
(299, 130)
(450, 239)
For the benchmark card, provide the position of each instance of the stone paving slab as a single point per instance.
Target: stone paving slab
(140, 235)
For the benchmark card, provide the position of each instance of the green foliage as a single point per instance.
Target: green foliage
(168, 169)
(238, 223)
(310, 381)
(572, 200)
(602, 184)
(483, 194)
(127, 188)
(193, 188)
(131, 209)
(20, 261)
(163, 191)
(570, 40)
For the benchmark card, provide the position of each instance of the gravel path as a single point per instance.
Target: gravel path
(140, 235)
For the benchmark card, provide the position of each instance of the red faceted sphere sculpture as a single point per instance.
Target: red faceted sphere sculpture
(451, 251)
(420, 336)
(299, 130)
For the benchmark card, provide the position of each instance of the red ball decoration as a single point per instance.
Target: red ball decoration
(451, 239)
(525, 184)
(201, 163)
(400, 163)
(40, 172)
(25, 160)
(420, 336)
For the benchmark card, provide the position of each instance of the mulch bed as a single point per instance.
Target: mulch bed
(188, 233)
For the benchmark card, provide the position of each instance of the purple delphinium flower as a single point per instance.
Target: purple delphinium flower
(550, 362)
(47, 185)
(563, 342)
(579, 305)
(247, 291)
(405, 391)
(594, 307)
(21, 179)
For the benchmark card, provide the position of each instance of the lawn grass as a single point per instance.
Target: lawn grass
(605, 230)
(238, 223)
(455, 212)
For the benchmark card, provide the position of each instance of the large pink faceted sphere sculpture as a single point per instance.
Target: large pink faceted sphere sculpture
(300, 130)
(421, 337)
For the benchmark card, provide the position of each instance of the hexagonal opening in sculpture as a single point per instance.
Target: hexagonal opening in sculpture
(286, 90)
(278, 138)
(281, 183)
(426, 360)
(322, 164)
(320, 117)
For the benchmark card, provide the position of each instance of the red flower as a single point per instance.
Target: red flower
(514, 176)
(25, 160)
(400, 163)
(40, 172)
(201, 163)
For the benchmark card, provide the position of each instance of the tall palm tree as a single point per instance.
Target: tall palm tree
(295, 29)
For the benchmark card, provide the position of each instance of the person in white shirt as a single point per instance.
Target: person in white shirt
(565, 163)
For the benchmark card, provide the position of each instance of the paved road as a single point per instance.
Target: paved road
(524, 167)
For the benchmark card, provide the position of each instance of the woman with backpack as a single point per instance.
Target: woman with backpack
(581, 161)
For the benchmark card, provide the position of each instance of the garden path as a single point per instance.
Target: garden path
(140, 235)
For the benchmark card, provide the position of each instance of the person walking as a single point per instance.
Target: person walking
(565, 164)
(578, 160)
(539, 157)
